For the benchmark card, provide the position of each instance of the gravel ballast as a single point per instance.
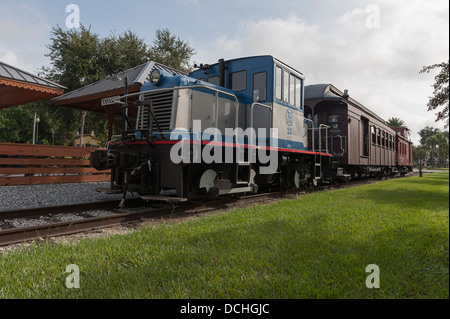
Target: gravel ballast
(35, 196)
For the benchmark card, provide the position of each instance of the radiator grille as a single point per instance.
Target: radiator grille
(162, 111)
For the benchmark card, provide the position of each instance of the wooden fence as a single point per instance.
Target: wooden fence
(26, 164)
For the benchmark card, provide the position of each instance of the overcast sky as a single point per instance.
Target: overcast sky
(375, 49)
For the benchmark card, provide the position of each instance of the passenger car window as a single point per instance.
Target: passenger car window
(374, 135)
(259, 87)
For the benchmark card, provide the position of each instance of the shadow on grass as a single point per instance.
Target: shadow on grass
(411, 193)
(435, 179)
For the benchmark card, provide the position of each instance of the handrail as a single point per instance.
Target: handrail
(251, 110)
(176, 88)
(187, 88)
(312, 132)
(326, 137)
(343, 150)
(320, 128)
(252, 117)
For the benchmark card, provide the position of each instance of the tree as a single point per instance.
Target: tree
(74, 58)
(122, 52)
(441, 91)
(426, 132)
(442, 148)
(81, 57)
(170, 50)
(16, 124)
(431, 143)
(395, 122)
(420, 153)
(438, 145)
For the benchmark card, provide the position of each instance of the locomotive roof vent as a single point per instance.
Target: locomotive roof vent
(346, 95)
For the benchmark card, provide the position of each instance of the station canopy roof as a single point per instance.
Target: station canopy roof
(94, 97)
(19, 87)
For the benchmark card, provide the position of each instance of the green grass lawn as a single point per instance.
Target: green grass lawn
(317, 246)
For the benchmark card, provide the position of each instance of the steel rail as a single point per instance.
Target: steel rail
(40, 211)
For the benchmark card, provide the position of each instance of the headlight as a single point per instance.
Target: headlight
(155, 77)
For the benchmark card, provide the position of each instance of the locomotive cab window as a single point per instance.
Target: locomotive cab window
(285, 86)
(298, 92)
(292, 90)
(288, 88)
(214, 80)
(238, 81)
(259, 87)
(278, 77)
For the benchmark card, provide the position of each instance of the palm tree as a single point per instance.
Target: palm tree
(395, 122)
(442, 144)
(431, 142)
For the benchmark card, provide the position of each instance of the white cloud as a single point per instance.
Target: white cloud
(22, 22)
(25, 30)
(8, 57)
(379, 66)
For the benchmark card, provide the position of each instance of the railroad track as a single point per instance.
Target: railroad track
(80, 218)
(70, 219)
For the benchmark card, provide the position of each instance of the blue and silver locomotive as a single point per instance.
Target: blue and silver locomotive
(232, 127)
